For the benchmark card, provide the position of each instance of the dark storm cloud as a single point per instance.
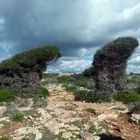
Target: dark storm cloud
(73, 25)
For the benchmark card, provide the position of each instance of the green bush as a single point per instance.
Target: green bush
(73, 83)
(5, 138)
(6, 95)
(92, 129)
(70, 88)
(91, 110)
(89, 96)
(134, 108)
(90, 72)
(39, 98)
(17, 117)
(138, 90)
(126, 97)
(44, 93)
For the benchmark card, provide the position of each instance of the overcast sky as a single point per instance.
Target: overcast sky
(77, 27)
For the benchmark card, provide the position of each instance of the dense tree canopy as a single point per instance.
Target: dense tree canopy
(122, 47)
(36, 58)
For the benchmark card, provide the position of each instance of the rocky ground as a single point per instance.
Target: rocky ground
(59, 117)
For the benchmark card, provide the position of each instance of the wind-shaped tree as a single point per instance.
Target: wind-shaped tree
(23, 72)
(110, 65)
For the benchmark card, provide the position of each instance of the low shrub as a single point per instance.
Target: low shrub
(91, 110)
(73, 83)
(70, 88)
(44, 92)
(126, 97)
(92, 129)
(89, 96)
(17, 117)
(137, 90)
(5, 138)
(6, 95)
(29, 136)
(134, 108)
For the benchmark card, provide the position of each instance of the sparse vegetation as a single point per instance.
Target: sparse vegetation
(91, 110)
(39, 102)
(6, 95)
(33, 113)
(89, 96)
(6, 124)
(17, 117)
(90, 72)
(72, 83)
(44, 93)
(48, 135)
(77, 80)
(127, 97)
(134, 108)
(92, 129)
(5, 138)
(29, 137)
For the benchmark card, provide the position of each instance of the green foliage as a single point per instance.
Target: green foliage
(89, 96)
(91, 110)
(74, 82)
(137, 89)
(31, 58)
(126, 97)
(70, 87)
(29, 136)
(44, 93)
(17, 117)
(71, 83)
(92, 129)
(90, 72)
(135, 108)
(5, 138)
(6, 124)
(39, 98)
(6, 95)
(122, 45)
(48, 135)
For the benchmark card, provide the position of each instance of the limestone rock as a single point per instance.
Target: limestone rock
(2, 109)
(135, 118)
(67, 135)
(86, 135)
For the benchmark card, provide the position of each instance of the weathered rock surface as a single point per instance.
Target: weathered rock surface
(110, 65)
(86, 135)
(135, 118)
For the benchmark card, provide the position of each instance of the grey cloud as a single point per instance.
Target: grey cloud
(73, 25)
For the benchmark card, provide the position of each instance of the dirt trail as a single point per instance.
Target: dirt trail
(63, 118)
(114, 114)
